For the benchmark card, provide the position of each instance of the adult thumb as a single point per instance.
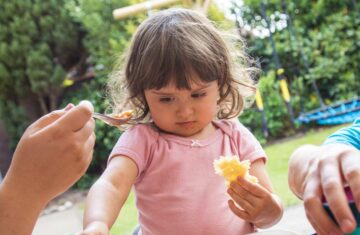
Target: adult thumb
(76, 118)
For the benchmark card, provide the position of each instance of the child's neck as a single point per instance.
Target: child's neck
(201, 135)
(204, 133)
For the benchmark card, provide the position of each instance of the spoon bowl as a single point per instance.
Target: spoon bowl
(116, 121)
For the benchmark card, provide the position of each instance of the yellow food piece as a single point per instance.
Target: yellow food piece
(125, 114)
(231, 168)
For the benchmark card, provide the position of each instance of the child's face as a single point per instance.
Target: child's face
(183, 112)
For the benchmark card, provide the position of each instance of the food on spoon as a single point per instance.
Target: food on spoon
(125, 114)
(231, 167)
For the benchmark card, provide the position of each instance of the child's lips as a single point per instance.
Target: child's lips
(187, 124)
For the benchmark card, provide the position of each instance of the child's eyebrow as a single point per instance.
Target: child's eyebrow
(161, 93)
(202, 87)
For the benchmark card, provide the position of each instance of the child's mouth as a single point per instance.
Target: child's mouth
(188, 124)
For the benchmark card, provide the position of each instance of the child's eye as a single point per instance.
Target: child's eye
(198, 95)
(165, 99)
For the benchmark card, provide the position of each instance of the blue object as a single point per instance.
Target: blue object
(349, 135)
(338, 113)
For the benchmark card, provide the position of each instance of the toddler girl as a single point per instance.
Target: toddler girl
(181, 83)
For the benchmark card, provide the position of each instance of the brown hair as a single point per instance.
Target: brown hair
(171, 45)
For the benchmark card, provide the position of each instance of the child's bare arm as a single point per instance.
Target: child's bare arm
(108, 194)
(259, 205)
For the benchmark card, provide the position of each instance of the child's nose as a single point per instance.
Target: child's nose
(184, 110)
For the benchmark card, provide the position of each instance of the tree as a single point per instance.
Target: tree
(325, 33)
(106, 40)
(40, 44)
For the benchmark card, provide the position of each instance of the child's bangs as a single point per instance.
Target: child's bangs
(182, 76)
(176, 61)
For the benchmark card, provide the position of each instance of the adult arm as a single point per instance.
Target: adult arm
(51, 155)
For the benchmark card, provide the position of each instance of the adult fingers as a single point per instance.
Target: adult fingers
(350, 165)
(331, 183)
(77, 117)
(319, 219)
(89, 147)
(49, 118)
(88, 151)
(313, 223)
(315, 212)
(86, 131)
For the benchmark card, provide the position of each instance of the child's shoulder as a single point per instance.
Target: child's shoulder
(230, 125)
(234, 128)
(146, 130)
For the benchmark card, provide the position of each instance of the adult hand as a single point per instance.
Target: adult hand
(333, 167)
(53, 153)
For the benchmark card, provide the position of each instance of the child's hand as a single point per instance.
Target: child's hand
(96, 228)
(258, 205)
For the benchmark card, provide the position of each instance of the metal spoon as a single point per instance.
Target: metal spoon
(112, 121)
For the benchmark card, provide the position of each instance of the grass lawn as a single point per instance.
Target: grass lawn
(278, 154)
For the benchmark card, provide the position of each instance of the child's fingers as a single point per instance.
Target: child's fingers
(237, 211)
(246, 203)
(253, 188)
(243, 193)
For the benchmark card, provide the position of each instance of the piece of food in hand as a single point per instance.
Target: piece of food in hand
(231, 167)
(125, 114)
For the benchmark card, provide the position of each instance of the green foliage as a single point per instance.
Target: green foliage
(218, 17)
(39, 44)
(321, 46)
(106, 40)
(275, 111)
(16, 125)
